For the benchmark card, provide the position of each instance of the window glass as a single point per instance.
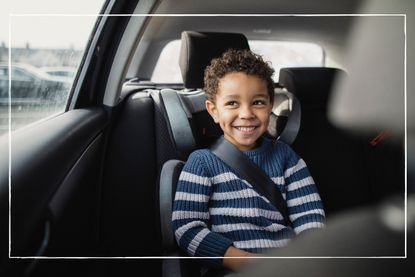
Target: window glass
(47, 40)
(167, 69)
(278, 53)
(4, 71)
(288, 54)
(22, 75)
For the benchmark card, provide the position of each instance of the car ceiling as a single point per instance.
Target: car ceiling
(258, 6)
(328, 31)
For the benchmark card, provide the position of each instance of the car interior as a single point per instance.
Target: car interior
(89, 191)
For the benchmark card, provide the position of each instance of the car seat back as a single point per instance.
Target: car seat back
(345, 166)
(199, 48)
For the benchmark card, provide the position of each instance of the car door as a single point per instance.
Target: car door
(51, 171)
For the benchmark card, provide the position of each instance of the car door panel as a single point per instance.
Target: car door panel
(74, 208)
(48, 163)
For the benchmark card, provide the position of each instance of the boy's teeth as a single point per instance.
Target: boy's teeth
(245, 128)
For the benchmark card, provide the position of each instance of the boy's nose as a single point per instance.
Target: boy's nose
(246, 113)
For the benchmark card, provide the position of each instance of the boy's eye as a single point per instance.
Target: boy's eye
(259, 102)
(231, 103)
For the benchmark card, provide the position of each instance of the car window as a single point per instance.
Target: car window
(288, 54)
(278, 53)
(22, 75)
(43, 63)
(4, 72)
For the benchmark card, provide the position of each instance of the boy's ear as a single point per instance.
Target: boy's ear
(211, 108)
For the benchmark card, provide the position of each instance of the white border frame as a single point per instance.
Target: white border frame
(213, 15)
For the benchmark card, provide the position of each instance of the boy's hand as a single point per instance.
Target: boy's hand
(231, 261)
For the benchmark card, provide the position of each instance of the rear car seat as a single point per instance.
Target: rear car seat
(129, 219)
(348, 169)
(191, 127)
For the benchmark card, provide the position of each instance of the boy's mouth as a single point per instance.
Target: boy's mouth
(245, 129)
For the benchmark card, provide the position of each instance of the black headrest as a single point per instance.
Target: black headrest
(198, 49)
(311, 85)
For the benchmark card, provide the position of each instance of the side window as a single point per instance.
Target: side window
(4, 71)
(22, 75)
(46, 49)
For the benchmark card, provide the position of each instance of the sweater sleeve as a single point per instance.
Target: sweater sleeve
(303, 200)
(191, 216)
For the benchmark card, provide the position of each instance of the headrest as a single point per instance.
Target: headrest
(198, 49)
(311, 85)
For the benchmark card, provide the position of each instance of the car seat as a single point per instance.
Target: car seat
(349, 169)
(191, 127)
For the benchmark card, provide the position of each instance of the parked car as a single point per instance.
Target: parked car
(30, 85)
(81, 193)
(64, 72)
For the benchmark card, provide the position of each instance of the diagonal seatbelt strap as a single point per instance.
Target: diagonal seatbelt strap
(248, 170)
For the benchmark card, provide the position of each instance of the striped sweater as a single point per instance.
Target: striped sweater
(214, 208)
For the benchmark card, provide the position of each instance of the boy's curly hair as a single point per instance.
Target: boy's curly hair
(232, 60)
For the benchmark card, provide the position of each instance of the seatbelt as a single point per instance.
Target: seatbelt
(248, 170)
(292, 126)
(179, 124)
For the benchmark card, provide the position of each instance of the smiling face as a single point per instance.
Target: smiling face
(241, 107)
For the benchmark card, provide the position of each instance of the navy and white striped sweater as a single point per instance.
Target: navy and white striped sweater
(214, 208)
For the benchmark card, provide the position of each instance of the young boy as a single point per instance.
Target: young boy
(215, 212)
